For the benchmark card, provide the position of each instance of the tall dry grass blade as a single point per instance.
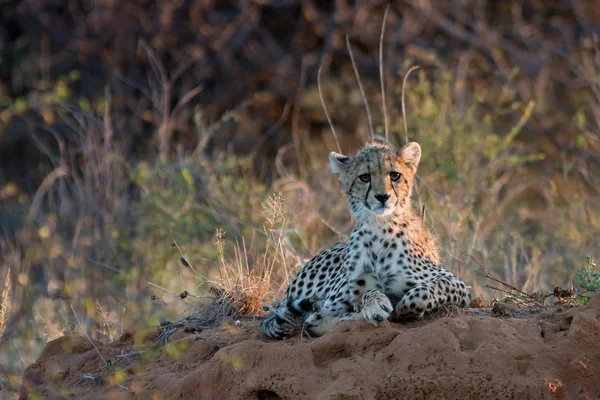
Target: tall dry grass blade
(325, 109)
(87, 336)
(186, 262)
(360, 86)
(381, 77)
(404, 103)
(5, 303)
(45, 186)
(178, 295)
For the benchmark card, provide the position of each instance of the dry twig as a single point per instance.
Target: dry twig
(186, 263)
(178, 295)
(484, 273)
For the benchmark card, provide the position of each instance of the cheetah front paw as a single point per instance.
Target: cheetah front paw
(376, 307)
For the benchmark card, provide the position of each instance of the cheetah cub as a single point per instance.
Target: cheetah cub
(389, 268)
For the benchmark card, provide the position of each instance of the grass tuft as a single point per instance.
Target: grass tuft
(246, 285)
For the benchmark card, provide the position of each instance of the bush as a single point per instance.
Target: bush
(588, 279)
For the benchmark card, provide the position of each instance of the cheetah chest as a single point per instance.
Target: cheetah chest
(391, 258)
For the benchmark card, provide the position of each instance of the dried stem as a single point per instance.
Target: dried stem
(484, 273)
(404, 103)
(45, 186)
(109, 132)
(508, 292)
(165, 128)
(186, 262)
(87, 336)
(325, 109)
(360, 86)
(178, 295)
(5, 303)
(381, 75)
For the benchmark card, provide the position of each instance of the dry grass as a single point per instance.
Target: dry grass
(5, 303)
(247, 285)
(106, 322)
(244, 288)
(48, 327)
(247, 279)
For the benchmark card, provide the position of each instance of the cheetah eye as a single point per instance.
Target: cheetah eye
(365, 178)
(394, 176)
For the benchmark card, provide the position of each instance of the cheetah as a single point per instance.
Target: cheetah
(388, 269)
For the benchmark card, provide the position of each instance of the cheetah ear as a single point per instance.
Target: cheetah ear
(338, 163)
(410, 154)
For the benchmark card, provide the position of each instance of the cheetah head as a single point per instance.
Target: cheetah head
(378, 180)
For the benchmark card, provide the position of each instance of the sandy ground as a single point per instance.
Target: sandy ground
(475, 355)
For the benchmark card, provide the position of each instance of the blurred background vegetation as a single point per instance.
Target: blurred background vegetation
(125, 125)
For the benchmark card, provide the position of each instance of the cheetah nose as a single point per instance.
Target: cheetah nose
(382, 197)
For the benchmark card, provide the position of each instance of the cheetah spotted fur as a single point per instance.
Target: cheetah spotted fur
(388, 269)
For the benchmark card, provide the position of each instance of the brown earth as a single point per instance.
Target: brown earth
(550, 354)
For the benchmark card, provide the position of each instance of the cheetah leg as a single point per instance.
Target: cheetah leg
(415, 302)
(322, 320)
(428, 296)
(368, 298)
(375, 306)
(281, 323)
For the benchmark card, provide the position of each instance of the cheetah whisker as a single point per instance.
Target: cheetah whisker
(304, 331)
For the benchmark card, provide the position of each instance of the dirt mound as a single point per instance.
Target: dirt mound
(550, 354)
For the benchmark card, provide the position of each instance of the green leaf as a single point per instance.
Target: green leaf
(187, 176)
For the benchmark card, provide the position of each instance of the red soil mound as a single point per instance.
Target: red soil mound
(473, 355)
